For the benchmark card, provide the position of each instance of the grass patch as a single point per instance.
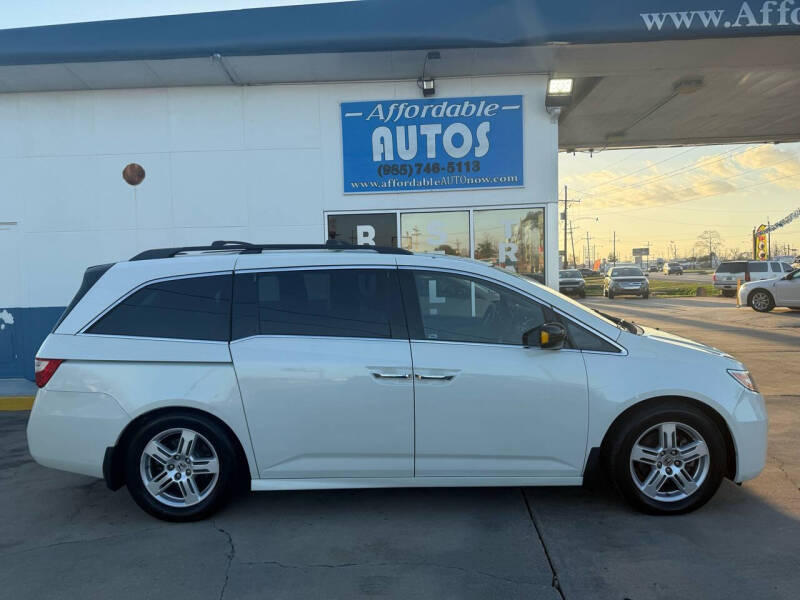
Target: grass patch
(658, 287)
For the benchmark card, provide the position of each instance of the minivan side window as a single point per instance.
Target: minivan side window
(583, 339)
(360, 303)
(458, 308)
(191, 308)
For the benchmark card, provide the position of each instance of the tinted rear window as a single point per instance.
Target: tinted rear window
(362, 303)
(90, 277)
(731, 267)
(759, 267)
(194, 308)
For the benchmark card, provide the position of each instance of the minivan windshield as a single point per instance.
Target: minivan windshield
(618, 323)
(626, 272)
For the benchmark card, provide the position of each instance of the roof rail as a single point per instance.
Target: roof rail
(248, 248)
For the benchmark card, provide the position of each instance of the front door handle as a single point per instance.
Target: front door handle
(395, 376)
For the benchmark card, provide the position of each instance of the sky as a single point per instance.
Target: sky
(667, 197)
(30, 13)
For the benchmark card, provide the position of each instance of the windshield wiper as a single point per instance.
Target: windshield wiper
(627, 325)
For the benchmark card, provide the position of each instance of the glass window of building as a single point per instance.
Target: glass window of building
(370, 229)
(446, 232)
(511, 238)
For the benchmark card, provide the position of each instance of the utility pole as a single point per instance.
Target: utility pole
(710, 251)
(572, 239)
(589, 261)
(614, 248)
(566, 204)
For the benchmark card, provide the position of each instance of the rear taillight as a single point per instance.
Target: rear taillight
(714, 278)
(747, 276)
(44, 368)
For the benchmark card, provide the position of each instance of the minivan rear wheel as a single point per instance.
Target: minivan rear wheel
(180, 467)
(667, 458)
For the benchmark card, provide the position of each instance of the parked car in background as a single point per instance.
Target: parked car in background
(571, 283)
(765, 294)
(653, 269)
(673, 268)
(589, 272)
(729, 272)
(630, 281)
(187, 372)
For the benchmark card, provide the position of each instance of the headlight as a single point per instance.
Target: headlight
(744, 378)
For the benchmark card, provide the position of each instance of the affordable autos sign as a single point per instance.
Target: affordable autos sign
(747, 15)
(432, 144)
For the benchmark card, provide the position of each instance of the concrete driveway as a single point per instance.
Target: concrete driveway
(67, 536)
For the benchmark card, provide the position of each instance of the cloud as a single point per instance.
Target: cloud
(668, 182)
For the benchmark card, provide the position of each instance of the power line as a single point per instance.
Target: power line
(637, 171)
(680, 171)
(707, 195)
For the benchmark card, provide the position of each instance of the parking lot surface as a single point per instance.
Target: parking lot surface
(67, 536)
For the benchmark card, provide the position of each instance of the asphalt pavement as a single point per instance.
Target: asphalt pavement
(67, 536)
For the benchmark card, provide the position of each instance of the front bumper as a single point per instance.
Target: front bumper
(750, 425)
(70, 431)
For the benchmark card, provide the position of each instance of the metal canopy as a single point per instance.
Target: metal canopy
(638, 83)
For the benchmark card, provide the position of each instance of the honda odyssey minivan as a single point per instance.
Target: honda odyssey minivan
(185, 371)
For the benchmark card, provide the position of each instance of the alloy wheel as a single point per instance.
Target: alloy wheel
(179, 467)
(669, 462)
(760, 301)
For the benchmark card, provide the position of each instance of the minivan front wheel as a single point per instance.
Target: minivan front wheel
(180, 467)
(668, 459)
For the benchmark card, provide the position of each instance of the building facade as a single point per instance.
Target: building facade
(267, 164)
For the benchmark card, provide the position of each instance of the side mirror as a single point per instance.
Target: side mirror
(551, 336)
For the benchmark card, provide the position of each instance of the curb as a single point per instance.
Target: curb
(9, 403)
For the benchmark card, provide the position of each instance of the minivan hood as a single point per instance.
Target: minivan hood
(669, 338)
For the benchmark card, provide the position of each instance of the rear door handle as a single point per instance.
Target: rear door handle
(421, 377)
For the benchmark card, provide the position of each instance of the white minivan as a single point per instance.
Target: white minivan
(185, 371)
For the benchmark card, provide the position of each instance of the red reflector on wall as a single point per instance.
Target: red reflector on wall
(44, 368)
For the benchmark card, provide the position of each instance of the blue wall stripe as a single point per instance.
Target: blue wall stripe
(20, 341)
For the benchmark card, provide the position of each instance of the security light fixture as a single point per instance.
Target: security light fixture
(426, 83)
(559, 95)
(559, 87)
(428, 87)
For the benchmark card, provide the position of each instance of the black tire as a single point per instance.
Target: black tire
(217, 436)
(610, 295)
(639, 421)
(646, 295)
(728, 293)
(758, 306)
(582, 294)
